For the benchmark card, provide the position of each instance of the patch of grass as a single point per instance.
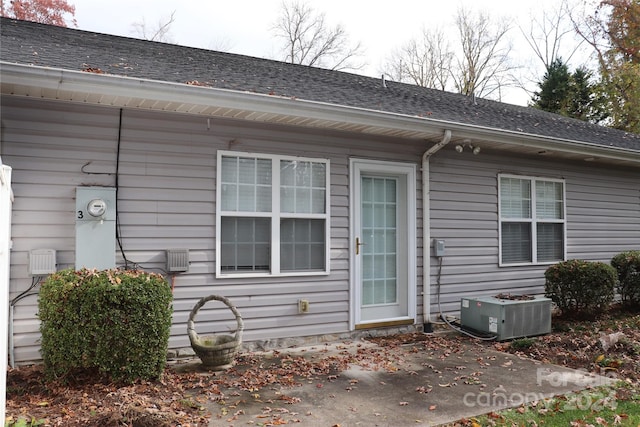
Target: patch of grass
(522, 343)
(613, 405)
(190, 403)
(23, 422)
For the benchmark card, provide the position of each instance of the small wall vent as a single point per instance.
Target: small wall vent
(42, 262)
(177, 260)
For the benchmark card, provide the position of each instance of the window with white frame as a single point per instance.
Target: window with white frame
(272, 215)
(532, 220)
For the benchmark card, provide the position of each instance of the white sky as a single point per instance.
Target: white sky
(245, 26)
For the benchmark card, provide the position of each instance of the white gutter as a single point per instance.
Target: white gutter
(128, 92)
(426, 230)
(119, 91)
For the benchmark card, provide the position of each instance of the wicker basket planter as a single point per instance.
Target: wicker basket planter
(215, 351)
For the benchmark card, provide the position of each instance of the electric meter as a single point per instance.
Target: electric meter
(95, 227)
(97, 207)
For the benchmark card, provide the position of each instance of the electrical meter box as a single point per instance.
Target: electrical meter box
(95, 227)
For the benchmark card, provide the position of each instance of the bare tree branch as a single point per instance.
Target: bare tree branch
(484, 67)
(309, 40)
(425, 62)
(547, 32)
(159, 32)
(479, 65)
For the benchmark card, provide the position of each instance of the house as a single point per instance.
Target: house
(276, 184)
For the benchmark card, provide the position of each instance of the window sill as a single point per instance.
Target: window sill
(221, 275)
(529, 264)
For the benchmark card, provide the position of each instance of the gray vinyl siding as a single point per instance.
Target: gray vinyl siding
(603, 218)
(167, 200)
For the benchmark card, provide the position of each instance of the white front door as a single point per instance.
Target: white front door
(383, 228)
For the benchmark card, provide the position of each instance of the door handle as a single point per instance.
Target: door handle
(358, 244)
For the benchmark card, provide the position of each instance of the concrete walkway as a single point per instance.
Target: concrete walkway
(408, 385)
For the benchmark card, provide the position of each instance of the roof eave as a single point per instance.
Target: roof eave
(121, 91)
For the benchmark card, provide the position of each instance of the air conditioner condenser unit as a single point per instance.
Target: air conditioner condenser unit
(507, 318)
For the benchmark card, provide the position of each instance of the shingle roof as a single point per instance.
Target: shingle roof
(49, 46)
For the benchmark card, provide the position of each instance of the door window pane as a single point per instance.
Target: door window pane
(379, 258)
(379, 291)
(391, 292)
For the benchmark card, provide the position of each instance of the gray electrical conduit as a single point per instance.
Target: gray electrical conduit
(443, 317)
(12, 304)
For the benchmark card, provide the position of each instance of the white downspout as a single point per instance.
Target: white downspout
(426, 230)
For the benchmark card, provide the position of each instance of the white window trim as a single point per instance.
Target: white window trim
(275, 213)
(532, 221)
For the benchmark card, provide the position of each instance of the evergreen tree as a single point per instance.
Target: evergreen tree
(554, 88)
(570, 94)
(586, 101)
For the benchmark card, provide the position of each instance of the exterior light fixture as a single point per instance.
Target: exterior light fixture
(467, 144)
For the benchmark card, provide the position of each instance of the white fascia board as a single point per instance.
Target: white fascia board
(128, 87)
(540, 142)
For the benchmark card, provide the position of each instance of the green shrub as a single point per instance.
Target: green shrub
(627, 264)
(117, 321)
(580, 288)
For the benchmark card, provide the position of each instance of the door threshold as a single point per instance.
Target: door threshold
(384, 324)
